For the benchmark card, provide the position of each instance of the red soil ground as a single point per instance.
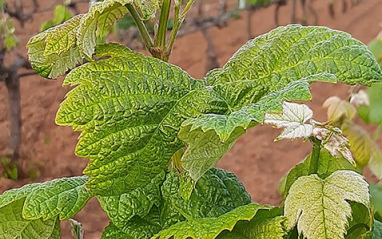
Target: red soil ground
(255, 158)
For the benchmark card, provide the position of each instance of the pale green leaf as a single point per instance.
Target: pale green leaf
(60, 38)
(64, 197)
(327, 164)
(122, 208)
(130, 108)
(294, 119)
(14, 226)
(209, 227)
(320, 207)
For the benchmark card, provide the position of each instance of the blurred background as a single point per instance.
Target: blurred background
(213, 31)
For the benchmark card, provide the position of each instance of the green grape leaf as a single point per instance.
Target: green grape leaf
(121, 208)
(204, 149)
(265, 65)
(210, 227)
(16, 194)
(320, 207)
(64, 197)
(375, 47)
(224, 125)
(7, 33)
(360, 223)
(98, 21)
(113, 232)
(54, 51)
(327, 164)
(269, 62)
(13, 225)
(137, 227)
(147, 8)
(130, 108)
(215, 194)
(376, 200)
(61, 14)
(377, 230)
(267, 224)
(46, 25)
(103, 15)
(210, 136)
(364, 148)
(61, 48)
(169, 215)
(375, 107)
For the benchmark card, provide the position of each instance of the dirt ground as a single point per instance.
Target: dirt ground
(255, 158)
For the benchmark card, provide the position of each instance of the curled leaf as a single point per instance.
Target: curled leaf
(338, 108)
(335, 142)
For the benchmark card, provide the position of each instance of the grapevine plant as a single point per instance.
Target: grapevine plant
(153, 134)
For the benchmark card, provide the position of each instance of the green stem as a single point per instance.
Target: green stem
(175, 29)
(186, 9)
(141, 27)
(160, 40)
(314, 158)
(178, 21)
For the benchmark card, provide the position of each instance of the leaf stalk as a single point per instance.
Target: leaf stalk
(178, 21)
(141, 27)
(315, 157)
(160, 40)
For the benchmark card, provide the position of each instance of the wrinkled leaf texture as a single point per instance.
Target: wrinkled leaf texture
(218, 192)
(135, 112)
(320, 207)
(35, 210)
(63, 47)
(131, 108)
